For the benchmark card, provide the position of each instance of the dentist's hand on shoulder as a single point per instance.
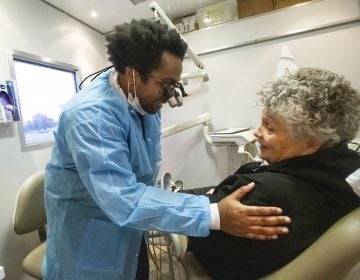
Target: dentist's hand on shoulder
(252, 222)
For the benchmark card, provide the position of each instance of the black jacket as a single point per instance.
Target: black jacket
(311, 190)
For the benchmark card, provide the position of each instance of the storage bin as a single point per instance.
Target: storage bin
(218, 13)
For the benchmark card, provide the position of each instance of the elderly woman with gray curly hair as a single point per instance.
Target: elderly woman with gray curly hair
(308, 119)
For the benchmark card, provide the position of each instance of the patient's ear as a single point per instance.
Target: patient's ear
(312, 146)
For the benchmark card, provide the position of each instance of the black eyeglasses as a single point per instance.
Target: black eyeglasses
(170, 89)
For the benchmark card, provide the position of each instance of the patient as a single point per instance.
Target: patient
(307, 120)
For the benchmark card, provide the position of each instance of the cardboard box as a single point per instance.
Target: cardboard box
(279, 4)
(247, 8)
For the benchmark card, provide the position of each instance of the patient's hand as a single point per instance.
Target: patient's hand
(253, 222)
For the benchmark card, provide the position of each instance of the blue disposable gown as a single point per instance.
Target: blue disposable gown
(99, 189)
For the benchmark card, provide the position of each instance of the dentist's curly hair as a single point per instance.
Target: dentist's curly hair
(140, 44)
(314, 104)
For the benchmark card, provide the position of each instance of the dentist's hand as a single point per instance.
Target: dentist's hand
(250, 221)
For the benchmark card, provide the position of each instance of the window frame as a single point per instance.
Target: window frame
(39, 61)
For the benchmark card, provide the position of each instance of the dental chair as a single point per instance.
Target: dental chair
(30, 216)
(332, 256)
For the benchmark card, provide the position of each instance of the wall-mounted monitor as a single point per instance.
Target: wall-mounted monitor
(43, 86)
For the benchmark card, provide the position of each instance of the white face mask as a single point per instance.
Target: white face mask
(134, 100)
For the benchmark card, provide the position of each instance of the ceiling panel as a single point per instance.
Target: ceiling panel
(113, 12)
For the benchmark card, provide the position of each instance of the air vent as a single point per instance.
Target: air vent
(135, 2)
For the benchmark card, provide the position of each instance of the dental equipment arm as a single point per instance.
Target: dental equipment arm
(200, 74)
(158, 12)
(176, 128)
(245, 140)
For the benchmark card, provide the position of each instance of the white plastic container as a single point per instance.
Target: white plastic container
(218, 13)
(186, 24)
(2, 273)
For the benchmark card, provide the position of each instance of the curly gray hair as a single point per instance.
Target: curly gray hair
(314, 104)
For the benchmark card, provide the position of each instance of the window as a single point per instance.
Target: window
(43, 88)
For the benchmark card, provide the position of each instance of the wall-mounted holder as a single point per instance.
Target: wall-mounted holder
(9, 109)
